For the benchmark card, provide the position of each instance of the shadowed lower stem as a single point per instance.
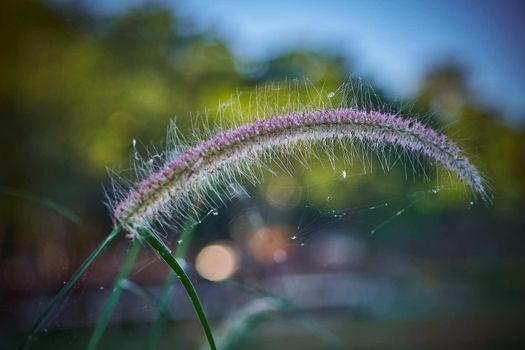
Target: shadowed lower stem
(165, 254)
(62, 293)
(114, 295)
(167, 289)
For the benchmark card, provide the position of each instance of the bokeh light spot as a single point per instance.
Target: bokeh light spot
(269, 244)
(217, 262)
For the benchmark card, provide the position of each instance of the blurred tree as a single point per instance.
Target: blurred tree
(499, 150)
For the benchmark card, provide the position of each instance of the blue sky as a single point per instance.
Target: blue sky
(391, 42)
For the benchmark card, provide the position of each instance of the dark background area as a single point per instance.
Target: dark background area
(77, 85)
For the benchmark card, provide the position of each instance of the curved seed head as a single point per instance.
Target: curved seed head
(188, 175)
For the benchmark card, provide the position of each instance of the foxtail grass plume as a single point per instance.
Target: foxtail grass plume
(192, 173)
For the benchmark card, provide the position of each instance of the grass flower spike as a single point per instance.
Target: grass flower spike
(191, 173)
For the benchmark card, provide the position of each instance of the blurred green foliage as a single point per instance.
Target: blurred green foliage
(76, 88)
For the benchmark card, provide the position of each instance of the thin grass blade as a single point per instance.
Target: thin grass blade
(278, 304)
(133, 288)
(46, 202)
(62, 293)
(114, 295)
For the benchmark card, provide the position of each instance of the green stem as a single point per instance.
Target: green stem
(62, 293)
(167, 289)
(165, 254)
(114, 295)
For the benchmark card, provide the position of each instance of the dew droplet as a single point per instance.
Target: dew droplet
(179, 241)
(329, 198)
(101, 288)
(343, 174)
(152, 159)
(293, 237)
(135, 153)
(331, 94)
(302, 244)
(214, 212)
